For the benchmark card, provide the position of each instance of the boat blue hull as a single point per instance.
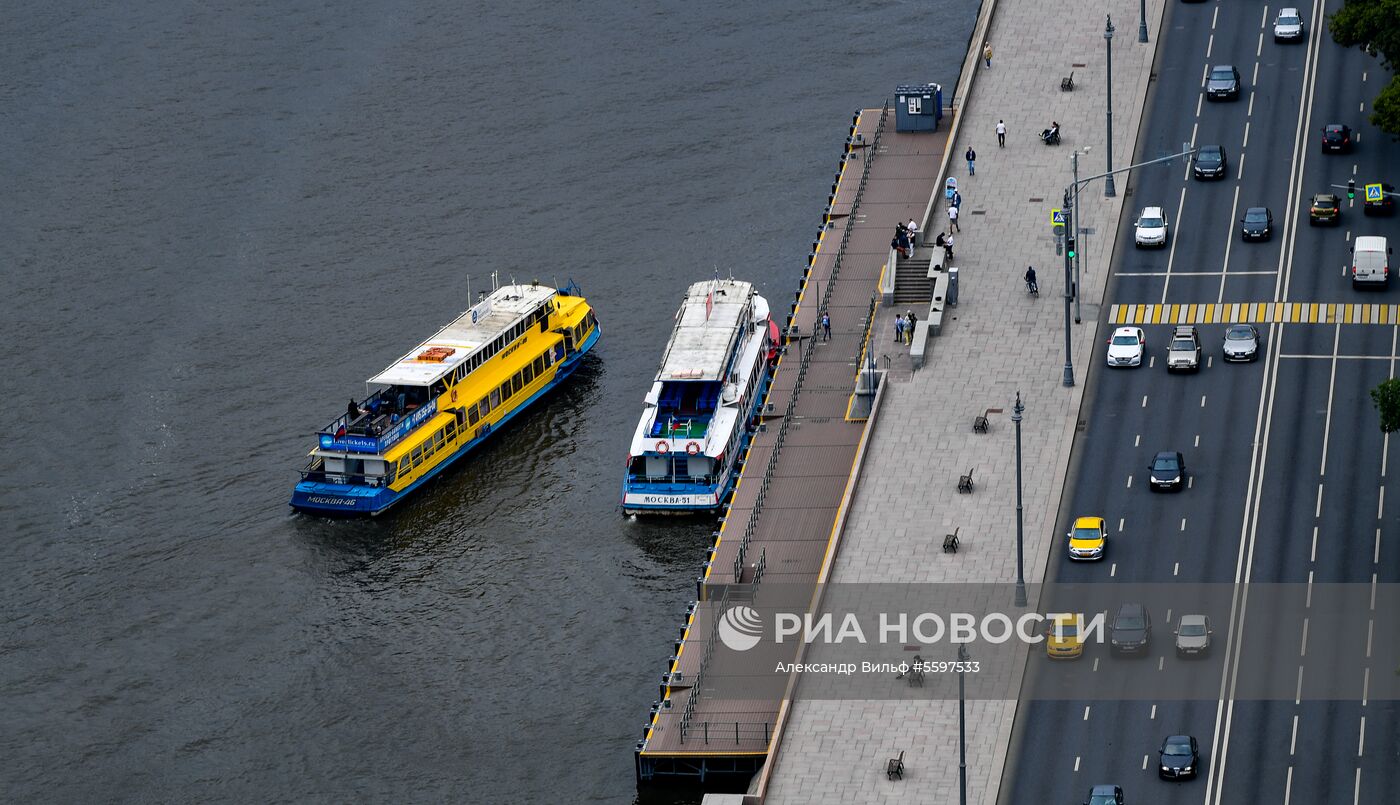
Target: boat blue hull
(322, 498)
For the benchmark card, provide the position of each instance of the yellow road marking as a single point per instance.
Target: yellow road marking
(1256, 313)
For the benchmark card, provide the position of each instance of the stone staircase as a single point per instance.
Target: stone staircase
(911, 283)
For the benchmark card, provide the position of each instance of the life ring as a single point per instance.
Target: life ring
(454, 395)
(692, 448)
(662, 447)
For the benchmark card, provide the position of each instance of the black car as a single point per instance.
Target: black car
(1210, 162)
(1336, 139)
(1223, 83)
(1168, 471)
(1385, 206)
(1180, 759)
(1105, 795)
(1131, 632)
(1257, 224)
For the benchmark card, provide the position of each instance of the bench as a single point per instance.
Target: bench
(1067, 83)
(895, 767)
(979, 423)
(950, 542)
(965, 482)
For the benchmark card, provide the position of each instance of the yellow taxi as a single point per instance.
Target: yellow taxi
(1088, 540)
(1062, 638)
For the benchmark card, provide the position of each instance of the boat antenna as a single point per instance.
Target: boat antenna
(495, 279)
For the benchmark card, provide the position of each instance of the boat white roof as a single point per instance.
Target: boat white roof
(707, 327)
(464, 335)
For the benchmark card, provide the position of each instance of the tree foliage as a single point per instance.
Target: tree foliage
(1374, 26)
(1386, 398)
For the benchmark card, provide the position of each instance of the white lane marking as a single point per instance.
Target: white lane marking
(1198, 440)
(1113, 569)
(1076, 764)
(1303, 649)
(1144, 762)
(1364, 73)
(1259, 48)
(1361, 107)
(1376, 556)
(1183, 524)
(1153, 715)
(1365, 686)
(1196, 274)
(1255, 80)
(1361, 739)
(1096, 664)
(1293, 742)
(1210, 359)
(1130, 482)
(1120, 526)
(1176, 568)
(1215, 15)
(1356, 789)
(1298, 694)
(1380, 505)
(1194, 127)
(1160, 662)
(1229, 236)
(1263, 426)
(1318, 512)
(1239, 174)
(1373, 592)
(1370, 627)
(1250, 111)
(1169, 616)
(1210, 45)
(1144, 401)
(1264, 20)
(1307, 604)
(1198, 110)
(1287, 786)
(1152, 361)
(1203, 401)
(1171, 251)
(1331, 395)
(1086, 712)
(1137, 440)
(1313, 556)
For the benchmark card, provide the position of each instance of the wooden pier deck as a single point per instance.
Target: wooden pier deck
(779, 523)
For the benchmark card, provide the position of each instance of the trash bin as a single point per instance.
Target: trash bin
(952, 298)
(918, 107)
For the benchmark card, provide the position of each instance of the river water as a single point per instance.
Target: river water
(219, 218)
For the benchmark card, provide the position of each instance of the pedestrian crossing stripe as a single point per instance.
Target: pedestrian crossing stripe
(1256, 313)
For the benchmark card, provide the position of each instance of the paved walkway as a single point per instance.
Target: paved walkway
(997, 341)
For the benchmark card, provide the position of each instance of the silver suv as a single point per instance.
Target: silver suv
(1184, 350)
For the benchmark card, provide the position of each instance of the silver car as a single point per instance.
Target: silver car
(1241, 342)
(1289, 26)
(1192, 635)
(1184, 350)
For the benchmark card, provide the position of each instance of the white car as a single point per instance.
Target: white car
(1289, 26)
(1151, 228)
(1127, 347)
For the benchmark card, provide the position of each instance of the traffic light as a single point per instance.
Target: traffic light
(1069, 245)
(1351, 188)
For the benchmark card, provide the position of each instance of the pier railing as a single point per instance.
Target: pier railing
(752, 525)
(721, 730)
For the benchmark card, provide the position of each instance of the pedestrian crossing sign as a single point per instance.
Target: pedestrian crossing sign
(1375, 193)
(1057, 215)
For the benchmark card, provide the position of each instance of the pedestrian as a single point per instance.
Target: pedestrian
(1001, 134)
(971, 157)
(957, 200)
(899, 328)
(987, 53)
(913, 232)
(910, 321)
(826, 327)
(953, 220)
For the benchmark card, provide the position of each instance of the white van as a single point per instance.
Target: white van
(1370, 262)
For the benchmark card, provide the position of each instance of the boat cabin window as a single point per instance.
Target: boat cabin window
(515, 383)
(688, 399)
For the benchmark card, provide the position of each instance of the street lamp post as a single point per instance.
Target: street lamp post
(1077, 259)
(1108, 189)
(1016, 411)
(962, 724)
(1069, 279)
(1142, 20)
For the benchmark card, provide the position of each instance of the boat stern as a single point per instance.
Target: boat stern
(346, 499)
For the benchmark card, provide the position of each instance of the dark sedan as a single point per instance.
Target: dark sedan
(1386, 204)
(1257, 224)
(1131, 632)
(1210, 162)
(1336, 139)
(1168, 471)
(1180, 759)
(1223, 83)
